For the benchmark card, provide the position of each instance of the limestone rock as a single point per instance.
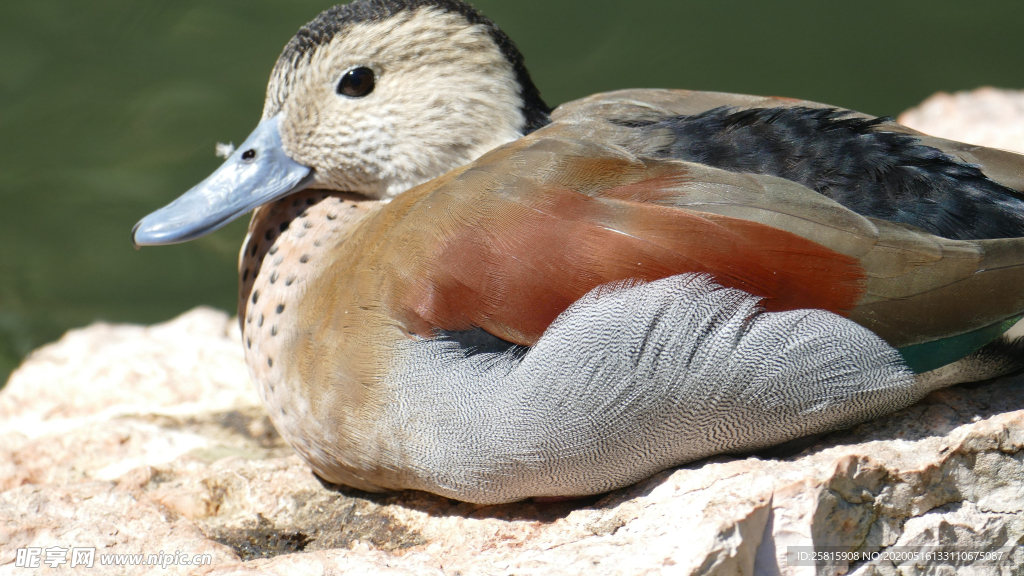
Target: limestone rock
(171, 471)
(987, 116)
(147, 440)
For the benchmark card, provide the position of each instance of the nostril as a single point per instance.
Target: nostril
(248, 154)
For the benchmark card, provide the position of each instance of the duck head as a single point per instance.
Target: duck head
(373, 97)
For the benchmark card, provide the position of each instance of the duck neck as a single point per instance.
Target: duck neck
(296, 224)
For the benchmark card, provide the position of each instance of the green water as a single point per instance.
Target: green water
(111, 108)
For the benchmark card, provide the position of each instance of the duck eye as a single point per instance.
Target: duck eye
(357, 82)
(248, 154)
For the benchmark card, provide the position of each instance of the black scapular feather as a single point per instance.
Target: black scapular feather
(854, 161)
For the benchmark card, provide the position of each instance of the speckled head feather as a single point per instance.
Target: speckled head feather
(333, 21)
(448, 86)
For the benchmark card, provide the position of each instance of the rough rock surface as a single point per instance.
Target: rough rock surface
(141, 440)
(987, 116)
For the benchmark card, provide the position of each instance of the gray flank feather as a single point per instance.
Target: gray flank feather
(630, 380)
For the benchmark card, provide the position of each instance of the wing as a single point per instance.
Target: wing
(676, 370)
(664, 103)
(871, 165)
(527, 231)
(510, 241)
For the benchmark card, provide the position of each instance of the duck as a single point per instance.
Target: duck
(448, 286)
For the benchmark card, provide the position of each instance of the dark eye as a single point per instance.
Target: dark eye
(357, 82)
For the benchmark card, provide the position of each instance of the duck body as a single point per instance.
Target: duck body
(648, 278)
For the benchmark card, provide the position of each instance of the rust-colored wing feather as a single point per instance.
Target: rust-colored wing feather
(510, 242)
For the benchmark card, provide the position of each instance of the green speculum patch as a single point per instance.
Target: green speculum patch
(937, 353)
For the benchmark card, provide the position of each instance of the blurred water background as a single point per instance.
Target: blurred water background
(110, 108)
